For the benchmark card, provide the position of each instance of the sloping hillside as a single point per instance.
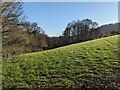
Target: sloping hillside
(72, 66)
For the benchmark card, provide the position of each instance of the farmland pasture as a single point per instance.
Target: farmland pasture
(68, 66)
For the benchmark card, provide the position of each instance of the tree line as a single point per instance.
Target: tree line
(20, 36)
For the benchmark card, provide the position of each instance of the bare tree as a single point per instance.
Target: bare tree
(80, 29)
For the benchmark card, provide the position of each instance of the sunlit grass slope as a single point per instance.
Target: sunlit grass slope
(68, 66)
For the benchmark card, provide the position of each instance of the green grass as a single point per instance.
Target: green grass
(68, 66)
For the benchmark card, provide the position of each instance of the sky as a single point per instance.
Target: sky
(53, 17)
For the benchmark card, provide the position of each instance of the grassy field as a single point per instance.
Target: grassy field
(69, 66)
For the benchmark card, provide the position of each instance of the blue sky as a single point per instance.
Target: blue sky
(54, 17)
